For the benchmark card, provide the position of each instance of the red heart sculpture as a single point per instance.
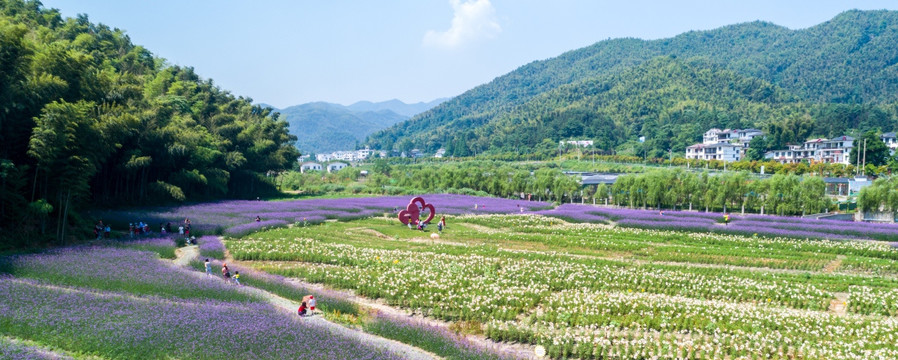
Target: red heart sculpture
(412, 212)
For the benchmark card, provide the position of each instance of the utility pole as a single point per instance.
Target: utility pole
(865, 157)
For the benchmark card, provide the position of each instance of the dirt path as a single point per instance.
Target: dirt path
(833, 265)
(367, 231)
(185, 254)
(404, 351)
(838, 305)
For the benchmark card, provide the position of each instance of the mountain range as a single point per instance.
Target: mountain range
(325, 127)
(838, 76)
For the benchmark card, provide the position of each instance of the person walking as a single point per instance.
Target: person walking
(208, 267)
(106, 231)
(237, 278)
(726, 219)
(225, 272)
(312, 303)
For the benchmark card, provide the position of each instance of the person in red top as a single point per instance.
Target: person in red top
(225, 272)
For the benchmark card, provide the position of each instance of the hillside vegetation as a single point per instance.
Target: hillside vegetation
(86, 117)
(325, 127)
(823, 81)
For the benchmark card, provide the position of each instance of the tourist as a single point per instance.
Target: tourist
(131, 230)
(237, 278)
(162, 229)
(258, 219)
(312, 303)
(106, 231)
(208, 267)
(440, 226)
(181, 230)
(225, 272)
(410, 225)
(302, 309)
(726, 219)
(168, 227)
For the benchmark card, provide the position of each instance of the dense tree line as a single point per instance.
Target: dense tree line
(727, 192)
(494, 178)
(827, 80)
(678, 189)
(88, 118)
(881, 196)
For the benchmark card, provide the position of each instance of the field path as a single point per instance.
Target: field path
(185, 254)
(833, 265)
(404, 351)
(837, 305)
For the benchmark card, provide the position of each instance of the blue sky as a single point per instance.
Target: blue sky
(290, 52)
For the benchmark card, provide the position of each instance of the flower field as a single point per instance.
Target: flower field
(581, 281)
(115, 302)
(238, 216)
(597, 291)
(749, 224)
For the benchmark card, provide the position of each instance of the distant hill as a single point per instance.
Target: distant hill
(397, 106)
(842, 71)
(325, 127)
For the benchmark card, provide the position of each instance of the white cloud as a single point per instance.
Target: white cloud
(473, 20)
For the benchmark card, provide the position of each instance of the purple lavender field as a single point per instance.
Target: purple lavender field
(236, 218)
(750, 225)
(122, 303)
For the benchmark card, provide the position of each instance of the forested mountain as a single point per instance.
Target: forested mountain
(88, 118)
(326, 127)
(397, 106)
(806, 81)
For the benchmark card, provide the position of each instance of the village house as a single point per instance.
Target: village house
(336, 166)
(309, 166)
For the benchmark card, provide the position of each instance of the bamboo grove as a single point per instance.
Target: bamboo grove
(88, 118)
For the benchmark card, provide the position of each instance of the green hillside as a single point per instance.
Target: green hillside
(88, 118)
(841, 71)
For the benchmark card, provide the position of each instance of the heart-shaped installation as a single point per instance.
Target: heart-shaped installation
(412, 212)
